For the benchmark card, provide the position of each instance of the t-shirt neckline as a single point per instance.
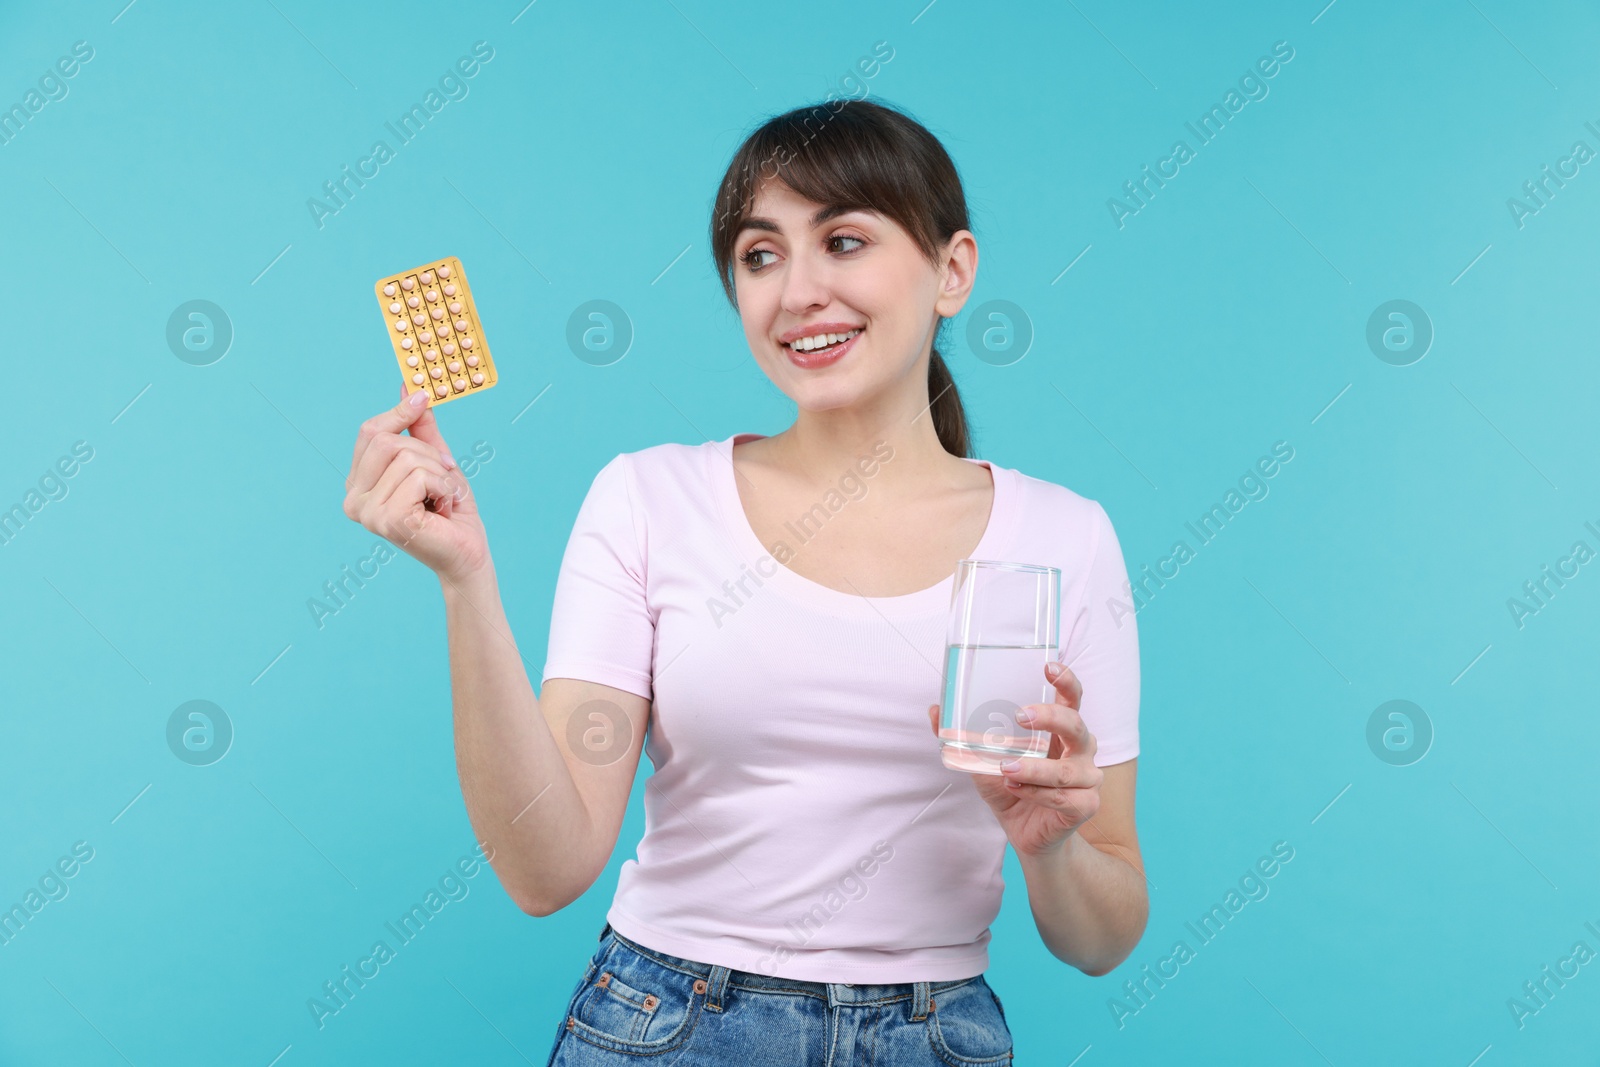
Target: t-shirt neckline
(994, 543)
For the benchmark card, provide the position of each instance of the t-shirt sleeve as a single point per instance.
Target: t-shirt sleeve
(1102, 648)
(602, 628)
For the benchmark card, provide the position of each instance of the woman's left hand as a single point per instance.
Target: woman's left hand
(1045, 800)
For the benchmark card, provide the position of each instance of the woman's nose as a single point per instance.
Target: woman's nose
(804, 284)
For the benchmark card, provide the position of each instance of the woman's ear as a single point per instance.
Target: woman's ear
(959, 273)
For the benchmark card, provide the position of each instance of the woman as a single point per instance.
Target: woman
(813, 885)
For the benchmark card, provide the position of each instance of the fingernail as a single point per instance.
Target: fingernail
(1011, 766)
(1025, 715)
(418, 398)
(449, 460)
(1052, 669)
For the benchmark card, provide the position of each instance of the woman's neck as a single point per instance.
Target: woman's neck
(901, 439)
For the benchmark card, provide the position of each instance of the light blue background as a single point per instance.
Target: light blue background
(1227, 315)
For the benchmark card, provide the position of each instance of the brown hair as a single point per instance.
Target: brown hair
(855, 154)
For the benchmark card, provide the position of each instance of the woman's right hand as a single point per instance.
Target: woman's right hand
(409, 490)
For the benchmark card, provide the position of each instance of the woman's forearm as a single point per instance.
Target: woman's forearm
(519, 795)
(1090, 906)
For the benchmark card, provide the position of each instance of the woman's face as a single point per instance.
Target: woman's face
(854, 271)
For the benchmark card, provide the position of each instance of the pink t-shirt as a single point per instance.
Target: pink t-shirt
(799, 821)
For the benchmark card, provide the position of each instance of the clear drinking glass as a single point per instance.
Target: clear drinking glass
(1004, 622)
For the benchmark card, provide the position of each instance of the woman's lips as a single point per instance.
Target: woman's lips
(822, 357)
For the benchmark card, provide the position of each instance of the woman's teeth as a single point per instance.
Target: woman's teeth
(821, 340)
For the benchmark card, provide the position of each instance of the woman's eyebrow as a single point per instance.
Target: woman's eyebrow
(771, 225)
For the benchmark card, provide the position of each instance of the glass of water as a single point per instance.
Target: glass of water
(1004, 622)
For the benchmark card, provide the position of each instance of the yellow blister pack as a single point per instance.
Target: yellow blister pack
(434, 327)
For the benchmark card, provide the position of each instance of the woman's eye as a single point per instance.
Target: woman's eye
(750, 260)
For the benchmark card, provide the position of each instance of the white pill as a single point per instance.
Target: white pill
(400, 324)
(411, 361)
(388, 290)
(426, 337)
(460, 384)
(455, 307)
(443, 328)
(466, 342)
(449, 348)
(444, 272)
(417, 379)
(472, 361)
(394, 307)
(432, 295)
(408, 284)
(419, 318)
(455, 365)
(436, 372)
(450, 290)
(427, 277)
(440, 390)
(461, 324)
(477, 379)
(437, 313)
(406, 342)
(430, 354)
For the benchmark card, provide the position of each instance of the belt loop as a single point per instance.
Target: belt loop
(921, 1000)
(604, 932)
(716, 985)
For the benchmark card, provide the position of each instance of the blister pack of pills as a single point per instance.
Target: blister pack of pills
(434, 327)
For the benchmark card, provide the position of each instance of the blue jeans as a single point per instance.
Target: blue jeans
(637, 1005)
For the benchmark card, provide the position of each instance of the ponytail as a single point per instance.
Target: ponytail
(949, 417)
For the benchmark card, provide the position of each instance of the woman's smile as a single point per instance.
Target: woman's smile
(826, 355)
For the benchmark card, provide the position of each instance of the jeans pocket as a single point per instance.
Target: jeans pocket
(635, 1005)
(968, 1027)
